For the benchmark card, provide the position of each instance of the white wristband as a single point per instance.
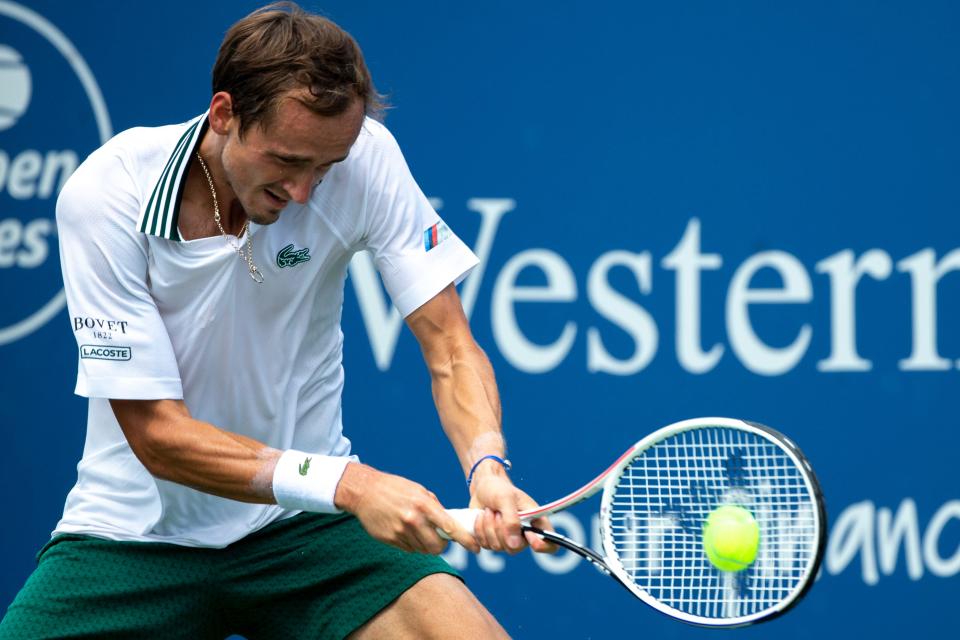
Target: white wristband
(308, 481)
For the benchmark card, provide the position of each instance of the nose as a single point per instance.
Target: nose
(299, 188)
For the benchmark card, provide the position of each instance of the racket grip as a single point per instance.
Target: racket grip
(466, 518)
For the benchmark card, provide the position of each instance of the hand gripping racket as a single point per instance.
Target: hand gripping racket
(656, 497)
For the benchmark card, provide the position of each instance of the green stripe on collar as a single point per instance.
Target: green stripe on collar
(161, 213)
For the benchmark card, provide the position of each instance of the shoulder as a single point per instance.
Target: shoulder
(376, 149)
(375, 163)
(376, 133)
(140, 152)
(346, 184)
(112, 180)
(367, 188)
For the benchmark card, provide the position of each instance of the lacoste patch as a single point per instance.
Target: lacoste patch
(104, 352)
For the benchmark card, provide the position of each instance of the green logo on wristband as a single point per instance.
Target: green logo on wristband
(305, 467)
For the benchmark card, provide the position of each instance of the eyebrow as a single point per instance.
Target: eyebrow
(295, 158)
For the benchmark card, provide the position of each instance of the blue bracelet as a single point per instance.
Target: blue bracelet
(506, 465)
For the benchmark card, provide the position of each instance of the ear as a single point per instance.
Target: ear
(221, 118)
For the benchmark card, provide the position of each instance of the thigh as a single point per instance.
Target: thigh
(93, 588)
(315, 576)
(439, 606)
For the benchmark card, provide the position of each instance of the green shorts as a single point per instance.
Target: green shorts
(310, 576)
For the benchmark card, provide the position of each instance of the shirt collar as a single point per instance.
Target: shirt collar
(160, 214)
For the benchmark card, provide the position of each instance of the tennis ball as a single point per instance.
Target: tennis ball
(15, 87)
(730, 538)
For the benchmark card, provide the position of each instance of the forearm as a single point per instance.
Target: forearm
(466, 396)
(467, 400)
(215, 461)
(465, 393)
(174, 446)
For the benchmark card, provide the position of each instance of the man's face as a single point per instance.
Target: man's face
(284, 158)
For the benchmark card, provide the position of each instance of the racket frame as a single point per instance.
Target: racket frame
(611, 477)
(610, 563)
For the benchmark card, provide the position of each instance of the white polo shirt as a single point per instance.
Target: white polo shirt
(156, 316)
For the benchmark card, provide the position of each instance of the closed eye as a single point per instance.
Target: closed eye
(297, 161)
(289, 160)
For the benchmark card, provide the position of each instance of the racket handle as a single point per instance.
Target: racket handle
(466, 518)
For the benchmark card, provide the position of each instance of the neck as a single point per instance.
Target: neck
(232, 215)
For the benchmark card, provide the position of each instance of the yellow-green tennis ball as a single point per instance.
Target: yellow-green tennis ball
(730, 538)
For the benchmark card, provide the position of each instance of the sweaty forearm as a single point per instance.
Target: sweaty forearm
(465, 392)
(176, 447)
(218, 462)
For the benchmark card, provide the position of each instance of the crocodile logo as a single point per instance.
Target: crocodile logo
(290, 257)
(305, 466)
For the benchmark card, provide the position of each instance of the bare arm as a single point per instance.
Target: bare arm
(463, 384)
(467, 400)
(174, 446)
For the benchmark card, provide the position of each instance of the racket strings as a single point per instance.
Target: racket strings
(663, 497)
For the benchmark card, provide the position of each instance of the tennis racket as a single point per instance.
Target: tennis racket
(656, 497)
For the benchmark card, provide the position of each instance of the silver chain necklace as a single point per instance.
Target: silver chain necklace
(252, 268)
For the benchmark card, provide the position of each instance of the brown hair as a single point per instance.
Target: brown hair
(281, 47)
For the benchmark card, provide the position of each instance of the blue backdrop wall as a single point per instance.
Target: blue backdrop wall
(688, 208)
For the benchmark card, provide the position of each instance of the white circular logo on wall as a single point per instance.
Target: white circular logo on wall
(14, 87)
(52, 114)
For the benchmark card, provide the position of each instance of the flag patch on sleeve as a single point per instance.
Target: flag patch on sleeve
(435, 235)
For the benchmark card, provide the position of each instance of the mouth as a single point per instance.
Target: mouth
(275, 200)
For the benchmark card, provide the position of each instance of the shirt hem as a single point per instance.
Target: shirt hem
(127, 388)
(438, 275)
(126, 536)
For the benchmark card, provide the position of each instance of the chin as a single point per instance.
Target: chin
(261, 218)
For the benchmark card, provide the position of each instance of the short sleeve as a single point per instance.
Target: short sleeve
(416, 253)
(124, 351)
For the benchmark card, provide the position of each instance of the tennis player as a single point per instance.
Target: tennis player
(204, 267)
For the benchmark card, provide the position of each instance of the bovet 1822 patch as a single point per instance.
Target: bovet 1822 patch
(105, 352)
